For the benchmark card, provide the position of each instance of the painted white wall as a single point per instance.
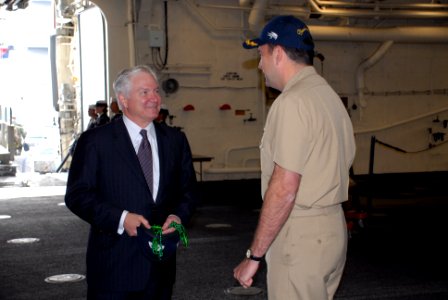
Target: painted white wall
(117, 36)
(409, 81)
(406, 83)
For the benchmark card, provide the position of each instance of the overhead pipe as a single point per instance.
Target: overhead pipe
(269, 10)
(360, 84)
(245, 3)
(376, 11)
(196, 11)
(378, 5)
(397, 34)
(402, 122)
(256, 16)
(130, 23)
(430, 34)
(351, 9)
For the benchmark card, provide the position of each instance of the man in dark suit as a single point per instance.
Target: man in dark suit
(115, 199)
(115, 109)
(93, 116)
(101, 111)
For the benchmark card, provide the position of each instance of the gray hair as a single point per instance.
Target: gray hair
(122, 84)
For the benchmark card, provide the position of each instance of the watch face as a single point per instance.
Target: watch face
(248, 253)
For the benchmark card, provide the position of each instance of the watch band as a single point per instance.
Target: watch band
(252, 257)
(256, 258)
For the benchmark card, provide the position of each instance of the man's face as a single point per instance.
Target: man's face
(143, 104)
(114, 107)
(99, 109)
(266, 63)
(92, 112)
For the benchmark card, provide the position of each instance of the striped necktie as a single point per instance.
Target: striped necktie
(145, 157)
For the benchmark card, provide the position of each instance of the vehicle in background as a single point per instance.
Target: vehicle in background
(41, 150)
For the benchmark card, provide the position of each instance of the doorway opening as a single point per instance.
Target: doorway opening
(50, 71)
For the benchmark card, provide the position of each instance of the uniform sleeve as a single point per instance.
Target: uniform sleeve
(292, 135)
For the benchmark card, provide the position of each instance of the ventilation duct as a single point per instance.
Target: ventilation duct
(360, 85)
(409, 34)
(256, 16)
(383, 10)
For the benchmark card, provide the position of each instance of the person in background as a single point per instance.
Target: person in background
(101, 110)
(306, 152)
(115, 109)
(93, 116)
(135, 192)
(163, 115)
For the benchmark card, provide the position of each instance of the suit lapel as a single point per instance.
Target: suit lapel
(162, 145)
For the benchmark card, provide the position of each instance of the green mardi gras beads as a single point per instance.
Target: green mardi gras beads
(157, 247)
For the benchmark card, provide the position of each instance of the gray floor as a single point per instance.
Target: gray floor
(401, 252)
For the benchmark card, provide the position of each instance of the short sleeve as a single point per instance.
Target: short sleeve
(292, 135)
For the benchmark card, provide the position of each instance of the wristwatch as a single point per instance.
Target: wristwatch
(252, 257)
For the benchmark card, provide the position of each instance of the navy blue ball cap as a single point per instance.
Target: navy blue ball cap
(167, 249)
(287, 31)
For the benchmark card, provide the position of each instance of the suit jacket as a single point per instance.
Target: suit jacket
(105, 178)
(102, 119)
(116, 116)
(91, 124)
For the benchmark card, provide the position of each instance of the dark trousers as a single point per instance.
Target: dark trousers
(158, 294)
(160, 287)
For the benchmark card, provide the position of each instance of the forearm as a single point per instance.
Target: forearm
(278, 202)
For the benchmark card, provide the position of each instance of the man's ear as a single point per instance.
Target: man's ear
(123, 101)
(278, 54)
